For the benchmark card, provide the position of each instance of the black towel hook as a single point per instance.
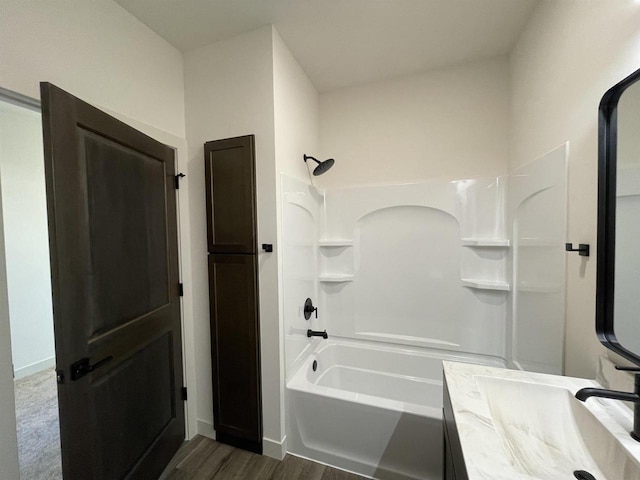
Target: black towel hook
(583, 249)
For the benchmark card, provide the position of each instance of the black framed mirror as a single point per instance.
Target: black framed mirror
(618, 276)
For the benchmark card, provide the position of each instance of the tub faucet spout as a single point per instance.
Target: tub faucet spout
(313, 333)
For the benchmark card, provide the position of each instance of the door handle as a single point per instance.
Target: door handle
(82, 367)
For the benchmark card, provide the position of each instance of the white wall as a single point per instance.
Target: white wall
(570, 53)
(297, 113)
(229, 92)
(26, 239)
(450, 123)
(97, 51)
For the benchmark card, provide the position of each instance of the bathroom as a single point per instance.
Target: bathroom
(462, 167)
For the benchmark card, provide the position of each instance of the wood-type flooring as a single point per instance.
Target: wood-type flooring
(206, 459)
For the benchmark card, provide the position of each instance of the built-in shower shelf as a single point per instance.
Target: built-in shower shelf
(486, 242)
(335, 242)
(485, 285)
(336, 277)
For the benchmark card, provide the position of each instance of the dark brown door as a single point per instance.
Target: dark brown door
(114, 268)
(235, 352)
(231, 200)
(233, 291)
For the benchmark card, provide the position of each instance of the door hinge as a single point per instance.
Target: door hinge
(181, 290)
(177, 179)
(183, 390)
(59, 376)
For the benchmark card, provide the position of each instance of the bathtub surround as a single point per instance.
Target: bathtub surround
(401, 279)
(537, 215)
(301, 219)
(413, 264)
(406, 275)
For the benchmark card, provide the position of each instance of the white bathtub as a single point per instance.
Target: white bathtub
(370, 408)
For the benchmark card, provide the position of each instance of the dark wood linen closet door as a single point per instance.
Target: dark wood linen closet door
(235, 359)
(114, 268)
(233, 291)
(230, 174)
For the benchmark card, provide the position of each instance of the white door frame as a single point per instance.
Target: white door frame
(9, 467)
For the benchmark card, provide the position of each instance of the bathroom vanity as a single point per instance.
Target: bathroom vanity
(504, 424)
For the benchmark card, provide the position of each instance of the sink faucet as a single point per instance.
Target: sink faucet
(585, 393)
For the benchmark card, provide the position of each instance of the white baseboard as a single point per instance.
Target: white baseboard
(205, 429)
(273, 448)
(34, 368)
(270, 448)
(332, 466)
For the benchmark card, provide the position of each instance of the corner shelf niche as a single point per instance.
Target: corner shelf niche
(485, 285)
(335, 278)
(486, 242)
(336, 259)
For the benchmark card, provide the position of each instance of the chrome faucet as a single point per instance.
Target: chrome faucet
(585, 393)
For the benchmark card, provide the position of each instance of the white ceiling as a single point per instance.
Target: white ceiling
(342, 43)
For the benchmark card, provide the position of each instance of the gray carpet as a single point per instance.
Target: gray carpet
(38, 430)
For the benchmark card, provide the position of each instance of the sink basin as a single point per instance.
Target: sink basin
(548, 434)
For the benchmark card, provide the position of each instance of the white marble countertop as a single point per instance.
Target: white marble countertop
(486, 454)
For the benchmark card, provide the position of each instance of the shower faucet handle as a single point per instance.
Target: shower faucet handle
(309, 309)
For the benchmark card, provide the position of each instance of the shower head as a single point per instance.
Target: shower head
(322, 166)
